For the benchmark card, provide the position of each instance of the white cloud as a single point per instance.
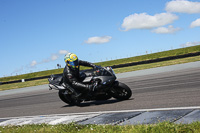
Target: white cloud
(45, 60)
(145, 21)
(98, 40)
(163, 30)
(188, 44)
(195, 23)
(33, 63)
(183, 6)
(63, 52)
(54, 57)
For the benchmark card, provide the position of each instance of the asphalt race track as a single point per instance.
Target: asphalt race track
(179, 87)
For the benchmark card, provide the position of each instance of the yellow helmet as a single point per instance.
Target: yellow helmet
(71, 60)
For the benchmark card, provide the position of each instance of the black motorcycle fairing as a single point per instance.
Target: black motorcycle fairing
(102, 76)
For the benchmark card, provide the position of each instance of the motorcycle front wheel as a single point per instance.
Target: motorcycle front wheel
(122, 92)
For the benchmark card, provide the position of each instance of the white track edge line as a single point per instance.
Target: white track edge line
(105, 112)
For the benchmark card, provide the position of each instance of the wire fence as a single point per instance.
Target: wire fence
(118, 66)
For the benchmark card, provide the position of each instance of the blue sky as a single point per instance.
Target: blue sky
(36, 34)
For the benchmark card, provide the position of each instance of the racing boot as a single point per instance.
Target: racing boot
(76, 94)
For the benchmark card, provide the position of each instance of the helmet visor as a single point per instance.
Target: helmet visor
(74, 64)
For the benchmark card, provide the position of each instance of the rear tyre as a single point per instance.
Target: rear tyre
(65, 97)
(122, 92)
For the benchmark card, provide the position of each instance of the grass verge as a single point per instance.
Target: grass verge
(158, 64)
(118, 70)
(163, 54)
(23, 84)
(164, 127)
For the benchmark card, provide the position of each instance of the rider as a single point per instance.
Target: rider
(71, 74)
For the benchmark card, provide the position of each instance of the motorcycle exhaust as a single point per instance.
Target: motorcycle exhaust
(55, 87)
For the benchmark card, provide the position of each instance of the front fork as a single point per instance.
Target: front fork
(112, 88)
(116, 83)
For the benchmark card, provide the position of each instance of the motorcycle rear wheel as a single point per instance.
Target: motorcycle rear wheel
(122, 92)
(65, 97)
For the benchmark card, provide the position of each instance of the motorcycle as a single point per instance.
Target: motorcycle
(103, 76)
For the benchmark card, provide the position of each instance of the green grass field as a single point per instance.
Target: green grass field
(118, 70)
(181, 51)
(109, 63)
(164, 127)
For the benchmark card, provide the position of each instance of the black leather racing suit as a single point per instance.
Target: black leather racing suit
(72, 76)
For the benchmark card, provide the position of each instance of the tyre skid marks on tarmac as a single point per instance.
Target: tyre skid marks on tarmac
(166, 80)
(177, 115)
(163, 84)
(167, 85)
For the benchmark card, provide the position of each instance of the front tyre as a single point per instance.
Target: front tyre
(122, 92)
